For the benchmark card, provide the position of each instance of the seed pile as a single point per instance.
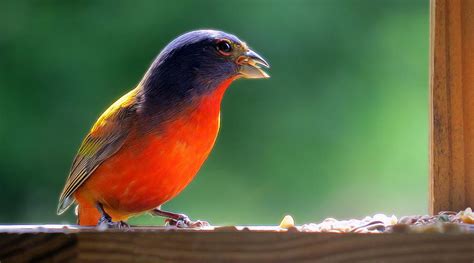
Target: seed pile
(370, 224)
(444, 222)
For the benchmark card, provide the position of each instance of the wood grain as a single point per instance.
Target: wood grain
(37, 247)
(451, 105)
(233, 246)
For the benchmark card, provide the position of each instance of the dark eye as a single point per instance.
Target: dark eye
(224, 47)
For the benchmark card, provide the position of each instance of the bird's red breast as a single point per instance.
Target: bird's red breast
(152, 168)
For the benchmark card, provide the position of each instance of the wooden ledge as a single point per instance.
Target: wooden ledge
(257, 244)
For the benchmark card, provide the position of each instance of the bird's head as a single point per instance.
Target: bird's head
(199, 61)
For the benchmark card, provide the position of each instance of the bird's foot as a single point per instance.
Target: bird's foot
(107, 223)
(183, 221)
(178, 220)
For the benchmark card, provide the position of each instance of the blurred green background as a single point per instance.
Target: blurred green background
(340, 130)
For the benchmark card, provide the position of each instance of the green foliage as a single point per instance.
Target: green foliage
(340, 130)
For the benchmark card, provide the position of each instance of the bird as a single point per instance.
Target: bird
(150, 143)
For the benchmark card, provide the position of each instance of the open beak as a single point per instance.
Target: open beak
(250, 63)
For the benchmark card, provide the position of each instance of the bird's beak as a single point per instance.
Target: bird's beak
(250, 63)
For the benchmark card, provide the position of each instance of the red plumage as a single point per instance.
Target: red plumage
(150, 170)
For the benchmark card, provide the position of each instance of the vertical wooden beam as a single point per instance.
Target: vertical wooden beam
(451, 105)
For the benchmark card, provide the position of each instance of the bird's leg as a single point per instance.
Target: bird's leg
(178, 220)
(106, 219)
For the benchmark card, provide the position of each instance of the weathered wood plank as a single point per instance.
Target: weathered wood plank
(161, 245)
(452, 105)
(37, 247)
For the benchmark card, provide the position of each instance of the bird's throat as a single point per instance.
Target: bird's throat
(159, 108)
(208, 105)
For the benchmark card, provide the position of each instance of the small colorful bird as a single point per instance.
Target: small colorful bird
(148, 145)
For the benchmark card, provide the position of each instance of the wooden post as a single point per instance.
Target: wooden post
(452, 105)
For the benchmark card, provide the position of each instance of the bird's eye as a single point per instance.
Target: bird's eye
(224, 47)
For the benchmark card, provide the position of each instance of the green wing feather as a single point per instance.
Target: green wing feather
(105, 139)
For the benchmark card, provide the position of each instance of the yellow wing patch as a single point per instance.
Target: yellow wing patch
(105, 139)
(125, 101)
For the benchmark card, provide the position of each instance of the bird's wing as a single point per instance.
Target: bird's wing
(105, 139)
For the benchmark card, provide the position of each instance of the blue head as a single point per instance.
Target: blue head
(196, 63)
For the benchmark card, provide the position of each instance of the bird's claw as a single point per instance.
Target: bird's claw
(107, 223)
(184, 222)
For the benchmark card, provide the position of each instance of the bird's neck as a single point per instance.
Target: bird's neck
(211, 102)
(161, 103)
